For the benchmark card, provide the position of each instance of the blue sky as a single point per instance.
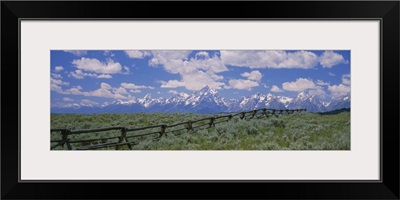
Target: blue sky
(95, 76)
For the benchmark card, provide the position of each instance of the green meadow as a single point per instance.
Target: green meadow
(298, 131)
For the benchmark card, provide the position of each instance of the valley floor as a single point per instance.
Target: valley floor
(299, 131)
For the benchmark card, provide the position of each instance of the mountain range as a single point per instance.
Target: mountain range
(207, 100)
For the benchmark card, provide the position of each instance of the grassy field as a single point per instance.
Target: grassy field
(299, 131)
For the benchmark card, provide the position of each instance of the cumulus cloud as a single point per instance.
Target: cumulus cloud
(67, 99)
(197, 72)
(105, 90)
(56, 88)
(254, 75)
(173, 84)
(57, 76)
(135, 87)
(265, 85)
(242, 84)
(318, 91)
(59, 68)
(299, 85)
(321, 83)
(94, 65)
(275, 88)
(135, 91)
(331, 74)
(77, 52)
(58, 82)
(137, 54)
(126, 70)
(329, 59)
(270, 59)
(120, 90)
(79, 74)
(104, 76)
(55, 85)
(339, 90)
(108, 53)
(346, 79)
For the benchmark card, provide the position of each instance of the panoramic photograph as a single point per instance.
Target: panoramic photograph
(200, 100)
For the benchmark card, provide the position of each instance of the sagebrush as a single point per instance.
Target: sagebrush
(299, 131)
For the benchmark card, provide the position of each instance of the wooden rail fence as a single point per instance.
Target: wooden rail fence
(123, 138)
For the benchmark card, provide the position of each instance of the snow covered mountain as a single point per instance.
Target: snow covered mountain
(307, 101)
(207, 100)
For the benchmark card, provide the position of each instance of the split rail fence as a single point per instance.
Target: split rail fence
(163, 129)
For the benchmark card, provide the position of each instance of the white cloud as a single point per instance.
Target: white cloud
(79, 74)
(195, 73)
(108, 53)
(299, 85)
(331, 74)
(254, 75)
(58, 82)
(105, 86)
(77, 52)
(104, 76)
(270, 59)
(321, 83)
(120, 90)
(199, 79)
(339, 90)
(67, 99)
(168, 58)
(59, 68)
(135, 87)
(265, 85)
(329, 59)
(137, 54)
(58, 76)
(319, 91)
(126, 70)
(105, 90)
(202, 54)
(173, 84)
(276, 89)
(346, 79)
(56, 88)
(135, 91)
(205, 62)
(94, 65)
(242, 84)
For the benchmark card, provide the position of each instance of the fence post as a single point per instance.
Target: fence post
(189, 126)
(230, 117)
(242, 115)
(254, 113)
(163, 127)
(211, 122)
(65, 139)
(123, 139)
(264, 111)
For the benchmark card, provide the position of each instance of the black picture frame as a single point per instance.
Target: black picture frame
(386, 11)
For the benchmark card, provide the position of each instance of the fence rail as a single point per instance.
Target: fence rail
(123, 139)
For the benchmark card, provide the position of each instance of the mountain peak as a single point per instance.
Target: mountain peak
(205, 91)
(301, 94)
(148, 96)
(205, 88)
